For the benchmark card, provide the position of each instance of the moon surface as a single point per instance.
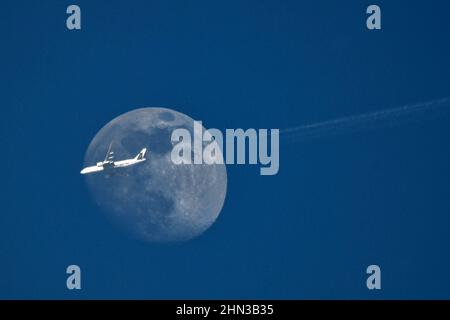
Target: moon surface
(156, 200)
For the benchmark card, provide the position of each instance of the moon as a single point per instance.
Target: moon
(156, 200)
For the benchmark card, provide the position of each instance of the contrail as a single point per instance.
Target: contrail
(368, 121)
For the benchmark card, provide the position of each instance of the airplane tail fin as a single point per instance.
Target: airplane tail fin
(141, 154)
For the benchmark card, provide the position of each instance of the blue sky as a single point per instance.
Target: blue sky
(337, 205)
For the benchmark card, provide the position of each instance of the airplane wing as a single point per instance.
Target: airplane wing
(91, 170)
(110, 154)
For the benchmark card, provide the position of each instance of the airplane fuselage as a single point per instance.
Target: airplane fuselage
(122, 163)
(110, 164)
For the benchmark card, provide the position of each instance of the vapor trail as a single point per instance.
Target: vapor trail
(368, 121)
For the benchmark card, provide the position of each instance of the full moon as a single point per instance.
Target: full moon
(156, 200)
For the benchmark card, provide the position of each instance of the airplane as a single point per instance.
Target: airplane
(109, 162)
